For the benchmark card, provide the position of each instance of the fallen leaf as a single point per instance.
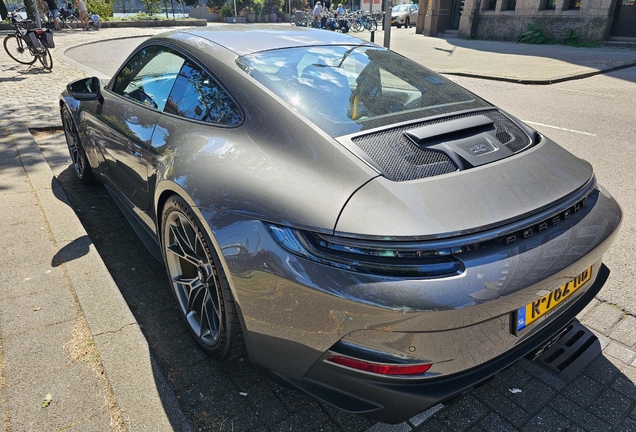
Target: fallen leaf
(243, 393)
(47, 400)
(37, 309)
(514, 390)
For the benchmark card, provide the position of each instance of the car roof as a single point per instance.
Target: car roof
(244, 39)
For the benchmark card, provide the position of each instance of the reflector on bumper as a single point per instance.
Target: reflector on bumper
(379, 368)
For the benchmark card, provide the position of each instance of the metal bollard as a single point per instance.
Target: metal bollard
(372, 36)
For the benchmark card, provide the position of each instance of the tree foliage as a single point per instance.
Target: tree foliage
(103, 8)
(152, 6)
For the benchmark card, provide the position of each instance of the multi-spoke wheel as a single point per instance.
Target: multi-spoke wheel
(199, 283)
(71, 22)
(45, 58)
(76, 149)
(18, 50)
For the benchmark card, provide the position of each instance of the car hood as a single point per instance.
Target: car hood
(465, 201)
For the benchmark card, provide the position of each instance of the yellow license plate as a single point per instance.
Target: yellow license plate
(538, 308)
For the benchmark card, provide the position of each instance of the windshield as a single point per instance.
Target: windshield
(400, 9)
(345, 89)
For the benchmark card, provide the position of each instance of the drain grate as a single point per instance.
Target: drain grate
(576, 348)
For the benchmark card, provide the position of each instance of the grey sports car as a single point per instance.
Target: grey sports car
(361, 227)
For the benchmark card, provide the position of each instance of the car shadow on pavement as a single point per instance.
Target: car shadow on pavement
(215, 395)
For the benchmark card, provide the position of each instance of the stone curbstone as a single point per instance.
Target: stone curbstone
(132, 375)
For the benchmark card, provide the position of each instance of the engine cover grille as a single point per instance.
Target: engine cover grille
(402, 160)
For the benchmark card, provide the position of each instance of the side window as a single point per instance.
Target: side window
(148, 77)
(197, 96)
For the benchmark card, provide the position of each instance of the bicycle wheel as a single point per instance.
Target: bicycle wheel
(372, 25)
(45, 59)
(17, 50)
(356, 26)
(71, 22)
(97, 24)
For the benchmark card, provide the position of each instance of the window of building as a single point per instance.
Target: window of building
(490, 4)
(550, 4)
(572, 4)
(510, 5)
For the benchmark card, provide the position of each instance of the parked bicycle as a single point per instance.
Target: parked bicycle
(362, 22)
(67, 17)
(26, 45)
(94, 21)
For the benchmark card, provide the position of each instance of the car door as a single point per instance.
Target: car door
(124, 124)
(200, 113)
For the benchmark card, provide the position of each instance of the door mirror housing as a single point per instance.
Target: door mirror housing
(86, 89)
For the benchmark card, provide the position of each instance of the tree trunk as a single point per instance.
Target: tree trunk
(30, 9)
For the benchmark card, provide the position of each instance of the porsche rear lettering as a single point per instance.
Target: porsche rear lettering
(543, 226)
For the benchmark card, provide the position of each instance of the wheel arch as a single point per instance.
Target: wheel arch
(163, 192)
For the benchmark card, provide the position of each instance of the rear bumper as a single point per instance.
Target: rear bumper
(393, 400)
(296, 312)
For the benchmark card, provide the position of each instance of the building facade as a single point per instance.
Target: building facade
(585, 20)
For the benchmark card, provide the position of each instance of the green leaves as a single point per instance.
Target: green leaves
(47, 400)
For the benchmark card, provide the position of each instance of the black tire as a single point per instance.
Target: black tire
(76, 149)
(71, 22)
(18, 50)
(407, 23)
(97, 24)
(45, 58)
(199, 283)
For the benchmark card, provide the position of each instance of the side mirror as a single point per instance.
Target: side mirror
(86, 89)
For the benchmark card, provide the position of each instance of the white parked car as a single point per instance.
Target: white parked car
(404, 15)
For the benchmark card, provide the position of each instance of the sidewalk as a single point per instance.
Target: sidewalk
(505, 61)
(72, 356)
(63, 319)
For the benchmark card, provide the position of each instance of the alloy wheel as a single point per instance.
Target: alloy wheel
(75, 149)
(194, 278)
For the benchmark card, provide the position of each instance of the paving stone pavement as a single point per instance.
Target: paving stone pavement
(39, 308)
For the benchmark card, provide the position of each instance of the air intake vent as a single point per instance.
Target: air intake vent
(401, 160)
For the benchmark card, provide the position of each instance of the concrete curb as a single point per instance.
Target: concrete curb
(141, 391)
(542, 82)
(61, 54)
(156, 23)
(140, 24)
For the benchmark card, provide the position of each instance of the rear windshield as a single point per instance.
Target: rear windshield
(344, 89)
